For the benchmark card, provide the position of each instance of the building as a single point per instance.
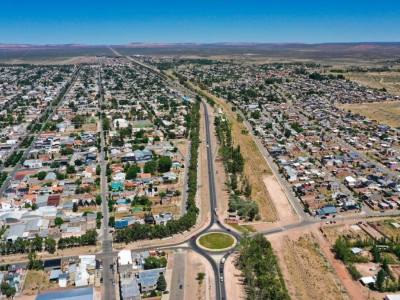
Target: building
(70, 294)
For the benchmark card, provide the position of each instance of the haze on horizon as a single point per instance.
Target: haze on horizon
(101, 22)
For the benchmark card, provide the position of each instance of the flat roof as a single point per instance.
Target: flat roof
(86, 293)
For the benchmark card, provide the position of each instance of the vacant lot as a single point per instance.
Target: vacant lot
(255, 167)
(384, 112)
(378, 80)
(307, 272)
(36, 281)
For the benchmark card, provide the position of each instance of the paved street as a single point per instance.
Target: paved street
(106, 237)
(177, 289)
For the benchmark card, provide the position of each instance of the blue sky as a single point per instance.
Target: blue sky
(119, 22)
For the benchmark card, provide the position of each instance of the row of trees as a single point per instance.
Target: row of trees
(260, 269)
(143, 231)
(49, 244)
(87, 239)
(234, 165)
(21, 245)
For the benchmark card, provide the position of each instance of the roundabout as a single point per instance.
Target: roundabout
(216, 241)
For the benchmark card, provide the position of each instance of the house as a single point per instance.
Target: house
(147, 279)
(33, 163)
(125, 257)
(120, 123)
(327, 210)
(143, 155)
(169, 177)
(130, 289)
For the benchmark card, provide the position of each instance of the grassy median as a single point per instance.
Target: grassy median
(216, 241)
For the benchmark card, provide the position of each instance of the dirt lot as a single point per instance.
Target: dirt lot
(198, 290)
(37, 281)
(285, 212)
(384, 112)
(233, 280)
(307, 273)
(255, 167)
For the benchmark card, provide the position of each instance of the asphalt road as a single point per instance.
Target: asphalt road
(177, 289)
(107, 255)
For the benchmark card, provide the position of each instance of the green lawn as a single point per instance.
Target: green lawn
(216, 240)
(243, 228)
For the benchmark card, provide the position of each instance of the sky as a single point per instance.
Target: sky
(201, 21)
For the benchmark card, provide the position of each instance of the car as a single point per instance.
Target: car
(324, 217)
(221, 278)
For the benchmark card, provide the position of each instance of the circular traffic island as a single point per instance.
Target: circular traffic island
(216, 241)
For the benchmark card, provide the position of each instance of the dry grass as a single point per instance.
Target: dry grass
(388, 229)
(255, 167)
(309, 274)
(36, 281)
(384, 112)
(332, 233)
(378, 80)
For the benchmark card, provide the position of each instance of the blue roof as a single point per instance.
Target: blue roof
(69, 294)
(327, 210)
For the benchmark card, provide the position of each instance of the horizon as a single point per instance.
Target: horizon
(177, 22)
(199, 43)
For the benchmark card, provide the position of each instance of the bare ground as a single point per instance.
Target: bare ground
(285, 211)
(307, 273)
(198, 290)
(233, 280)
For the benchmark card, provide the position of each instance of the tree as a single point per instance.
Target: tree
(380, 279)
(161, 283)
(34, 263)
(37, 243)
(98, 170)
(132, 172)
(150, 167)
(98, 200)
(7, 290)
(200, 277)
(152, 262)
(111, 221)
(164, 164)
(41, 175)
(70, 169)
(58, 221)
(50, 245)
